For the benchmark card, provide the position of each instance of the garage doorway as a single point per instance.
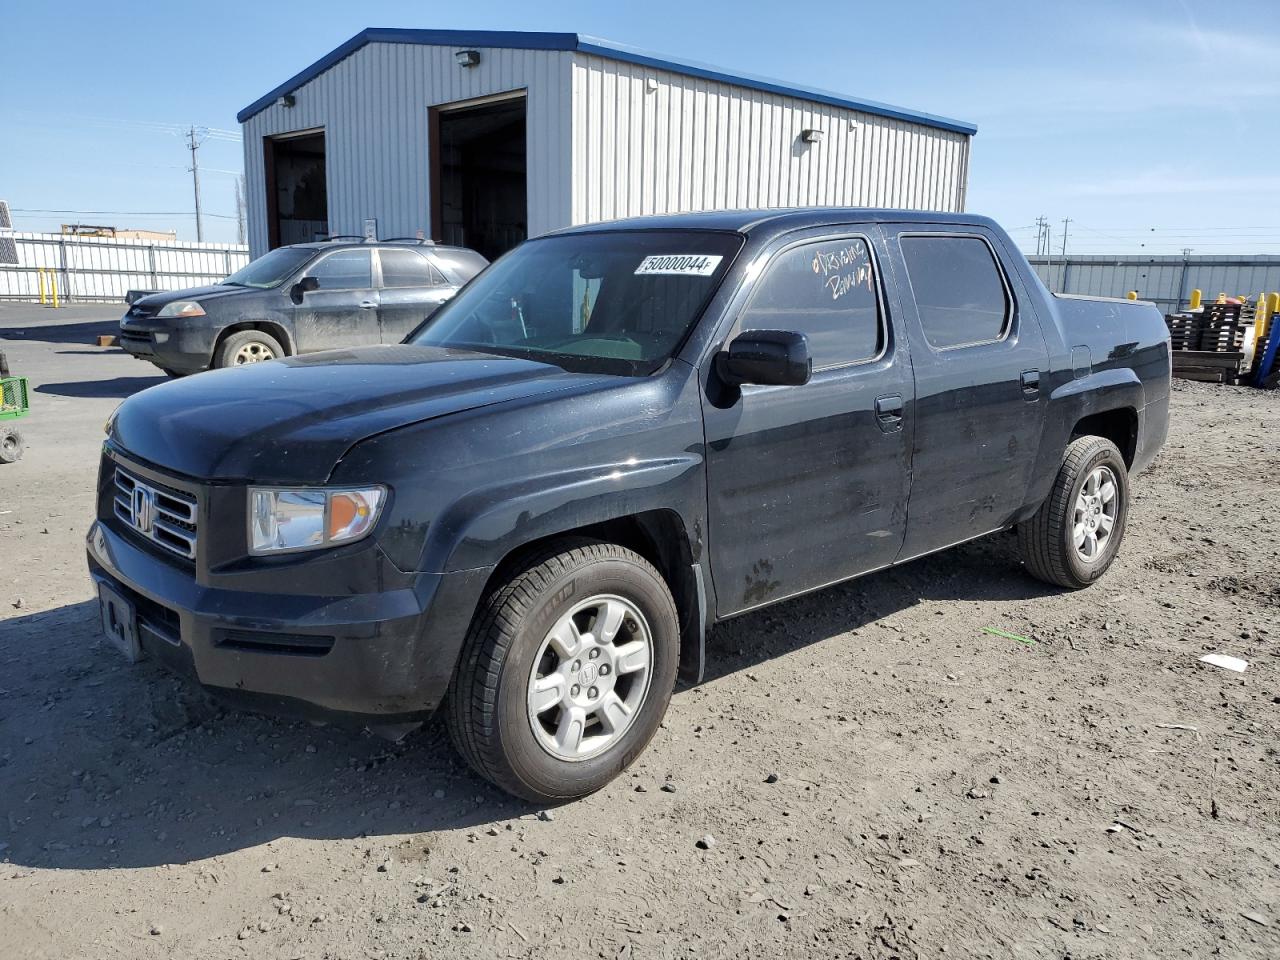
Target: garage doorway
(479, 174)
(297, 197)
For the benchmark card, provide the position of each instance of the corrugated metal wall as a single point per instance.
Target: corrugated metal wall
(683, 143)
(105, 268)
(373, 109)
(1168, 281)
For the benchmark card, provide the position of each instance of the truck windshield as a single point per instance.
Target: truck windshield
(612, 302)
(270, 269)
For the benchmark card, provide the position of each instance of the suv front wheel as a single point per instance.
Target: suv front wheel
(247, 346)
(566, 671)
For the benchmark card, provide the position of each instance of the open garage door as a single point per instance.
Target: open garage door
(297, 198)
(479, 195)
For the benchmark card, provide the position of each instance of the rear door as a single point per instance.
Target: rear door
(977, 354)
(808, 485)
(343, 310)
(412, 290)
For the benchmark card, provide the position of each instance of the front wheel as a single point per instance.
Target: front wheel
(566, 672)
(1074, 536)
(11, 445)
(247, 346)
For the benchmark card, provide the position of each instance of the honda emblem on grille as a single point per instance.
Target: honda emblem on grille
(144, 506)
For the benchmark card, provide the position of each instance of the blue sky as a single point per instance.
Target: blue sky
(1153, 124)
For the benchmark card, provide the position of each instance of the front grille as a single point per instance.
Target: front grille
(164, 516)
(254, 641)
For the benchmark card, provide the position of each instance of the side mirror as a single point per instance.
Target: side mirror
(768, 358)
(303, 286)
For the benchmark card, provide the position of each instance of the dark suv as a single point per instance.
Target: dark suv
(298, 299)
(613, 438)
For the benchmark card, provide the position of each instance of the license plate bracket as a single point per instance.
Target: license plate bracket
(119, 623)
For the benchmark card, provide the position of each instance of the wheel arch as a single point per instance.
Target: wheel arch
(269, 327)
(661, 537)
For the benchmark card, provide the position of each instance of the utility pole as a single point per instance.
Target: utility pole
(195, 137)
(1065, 221)
(240, 209)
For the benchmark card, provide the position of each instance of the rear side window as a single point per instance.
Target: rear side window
(958, 290)
(405, 268)
(344, 270)
(827, 291)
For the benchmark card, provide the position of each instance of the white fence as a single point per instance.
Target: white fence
(105, 268)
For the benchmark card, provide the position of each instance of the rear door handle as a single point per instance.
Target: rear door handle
(367, 304)
(1030, 384)
(889, 412)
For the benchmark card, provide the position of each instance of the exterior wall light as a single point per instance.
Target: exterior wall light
(288, 100)
(812, 136)
(467, 58)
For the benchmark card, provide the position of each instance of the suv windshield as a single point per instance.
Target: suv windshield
(270, 269)
(619, 302)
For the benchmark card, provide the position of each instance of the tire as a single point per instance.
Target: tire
(1051, 546)
(237, 349)
(509, 652)
(12, 445)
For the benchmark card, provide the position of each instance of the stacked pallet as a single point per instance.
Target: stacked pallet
(1207, 343)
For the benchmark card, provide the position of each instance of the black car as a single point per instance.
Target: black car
(298, 299)
(614, 437)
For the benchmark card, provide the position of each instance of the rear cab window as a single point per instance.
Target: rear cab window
(827, 290)
(959, 288)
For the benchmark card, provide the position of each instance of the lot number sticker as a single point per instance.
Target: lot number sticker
(681, 264)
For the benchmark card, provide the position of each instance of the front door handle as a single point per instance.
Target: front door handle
(889, 412)
(1030, 384)
(367, 304)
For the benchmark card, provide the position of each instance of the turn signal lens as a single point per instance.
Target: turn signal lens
(283, 521)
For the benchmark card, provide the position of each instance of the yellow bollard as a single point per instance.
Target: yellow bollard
(53, 282)
(1260, 316)
(44, 297)
(1222, 298)
(1131, 295)
(1196, 297)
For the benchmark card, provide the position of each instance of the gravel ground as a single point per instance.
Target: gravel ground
(866, 772)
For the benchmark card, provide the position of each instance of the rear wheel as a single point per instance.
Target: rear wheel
(1074, 536)
(11, 445)
(566, 672)
(247, 346)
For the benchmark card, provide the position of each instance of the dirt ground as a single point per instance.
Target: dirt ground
(881, 777)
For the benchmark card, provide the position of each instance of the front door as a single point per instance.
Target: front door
(343, 310)
(978, 353)
(808, 485)
(412, 290)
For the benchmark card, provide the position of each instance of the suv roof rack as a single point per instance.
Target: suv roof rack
(341, 236)
(425, 241)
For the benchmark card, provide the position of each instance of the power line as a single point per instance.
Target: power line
(123, 213)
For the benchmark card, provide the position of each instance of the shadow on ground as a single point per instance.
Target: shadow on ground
(117, 387)
(105, 765)
(83, 332)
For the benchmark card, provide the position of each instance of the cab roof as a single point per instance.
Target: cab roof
(780, 220)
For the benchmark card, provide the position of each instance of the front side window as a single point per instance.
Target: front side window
(616, 302)
(408, 268)
(827, 291)
(344, 270)
(959, 293)
(271, 269)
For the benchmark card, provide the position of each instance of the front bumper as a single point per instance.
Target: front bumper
(183, 351)
(372, 658)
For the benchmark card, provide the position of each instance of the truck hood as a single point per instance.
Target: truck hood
(291, 420)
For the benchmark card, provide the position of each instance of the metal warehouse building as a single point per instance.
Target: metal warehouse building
(484, 138)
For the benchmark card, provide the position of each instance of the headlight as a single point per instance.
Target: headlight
(310, 518)
(181, 308)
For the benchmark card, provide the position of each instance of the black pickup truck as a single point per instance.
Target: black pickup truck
(611, 439)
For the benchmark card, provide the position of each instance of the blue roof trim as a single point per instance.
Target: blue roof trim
(518, 40)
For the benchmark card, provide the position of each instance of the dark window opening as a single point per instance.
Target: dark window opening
(408, 268)
(479, 189)
(959, 292)
(827, 291)
(297, 198)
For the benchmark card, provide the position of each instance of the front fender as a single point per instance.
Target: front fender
(482, 527)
